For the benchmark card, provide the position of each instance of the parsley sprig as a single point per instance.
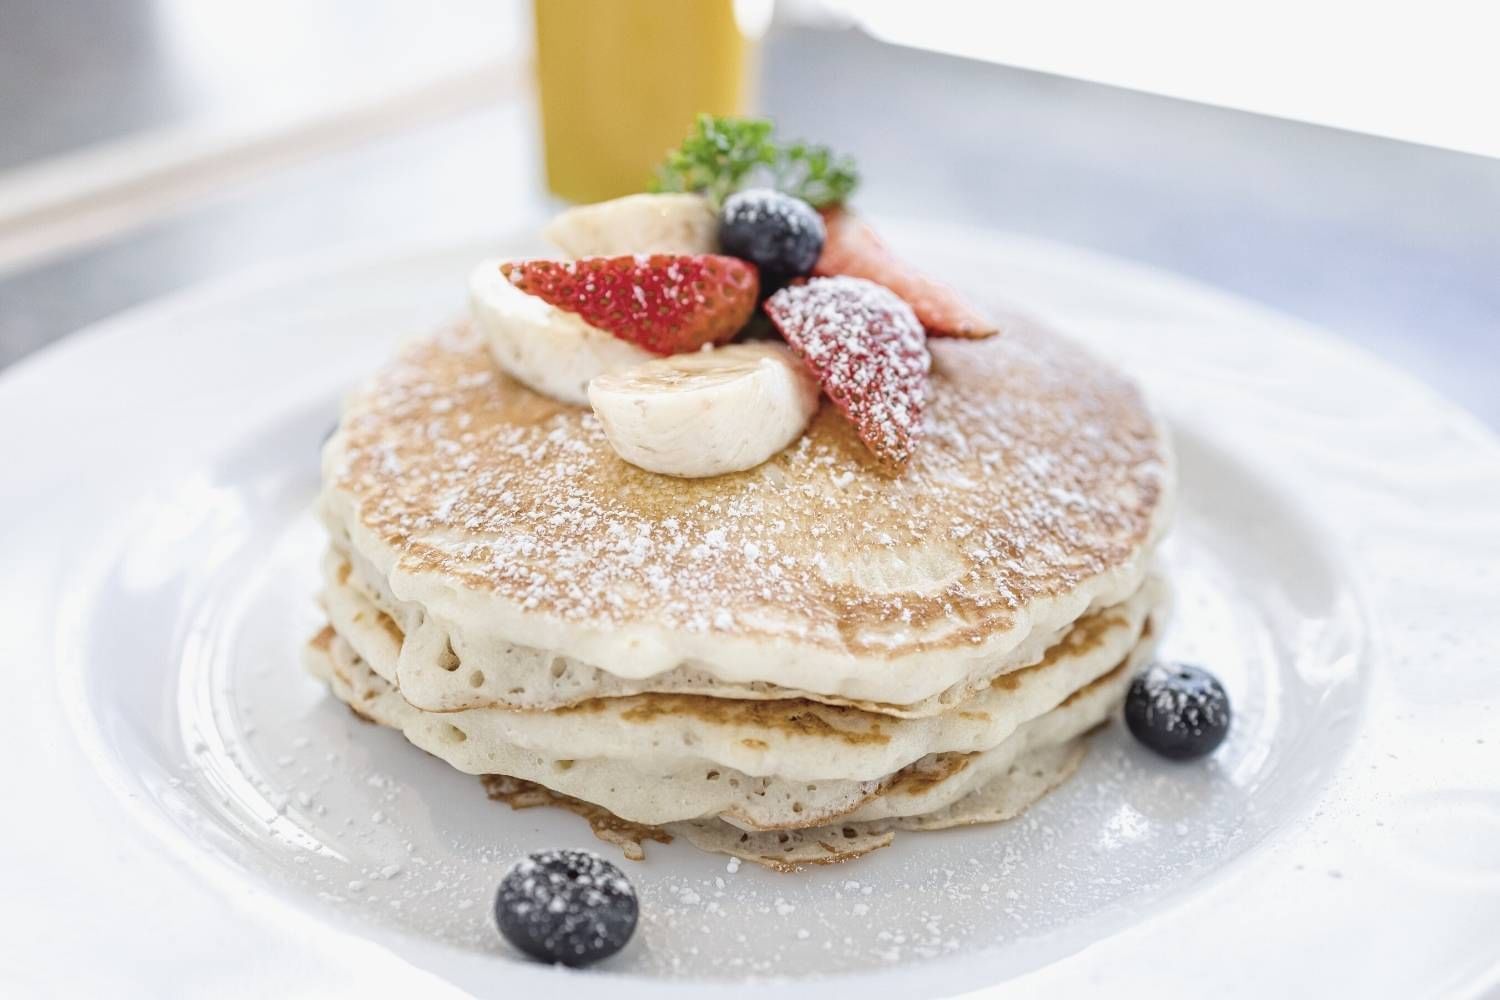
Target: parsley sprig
(816, 175)
(722, 155)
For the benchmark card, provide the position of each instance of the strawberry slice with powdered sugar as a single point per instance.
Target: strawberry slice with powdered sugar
(853, 248)
(867, 349)
(666, 303)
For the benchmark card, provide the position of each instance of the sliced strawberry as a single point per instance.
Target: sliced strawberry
(853, 248)
(867, 349)
(666, 303)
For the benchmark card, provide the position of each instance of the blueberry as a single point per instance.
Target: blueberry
(1180, 711)
(571, 907)
(777, 233)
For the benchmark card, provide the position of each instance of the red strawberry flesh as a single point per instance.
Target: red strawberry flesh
(867, 350)
(666, 303)
(853, 248)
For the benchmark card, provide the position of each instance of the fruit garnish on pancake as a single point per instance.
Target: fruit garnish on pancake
(685, 415)
(734, 215)
(666, 303)
(853, 248)
(637, 223)
(725, 158)
(868, 352)
(779, 234)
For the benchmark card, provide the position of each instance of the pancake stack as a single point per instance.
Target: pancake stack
(789, 664)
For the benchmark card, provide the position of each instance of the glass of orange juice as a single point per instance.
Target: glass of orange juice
(621, 82)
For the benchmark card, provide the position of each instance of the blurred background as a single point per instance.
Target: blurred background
(146, 145)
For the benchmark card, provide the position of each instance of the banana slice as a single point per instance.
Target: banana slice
(637, 223)
(553, 351)
(706, 413)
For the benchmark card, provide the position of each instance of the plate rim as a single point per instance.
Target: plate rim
(77, 348)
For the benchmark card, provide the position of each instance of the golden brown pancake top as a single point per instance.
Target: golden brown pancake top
(1041, 467)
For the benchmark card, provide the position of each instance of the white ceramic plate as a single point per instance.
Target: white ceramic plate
(191, 815)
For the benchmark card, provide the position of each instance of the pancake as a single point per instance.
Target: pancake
(404, 648)
(789, 664)
(1004, 797)
(790, 738)
(679, 785)
(506, 521)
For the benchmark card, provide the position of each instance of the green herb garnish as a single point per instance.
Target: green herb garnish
(816, 175)
(722, 155)
(717, 156)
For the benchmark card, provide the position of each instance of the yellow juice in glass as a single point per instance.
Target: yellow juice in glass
(622, 80)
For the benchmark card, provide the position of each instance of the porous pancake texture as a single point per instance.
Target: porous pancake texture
(790, 664)
(1040, 489)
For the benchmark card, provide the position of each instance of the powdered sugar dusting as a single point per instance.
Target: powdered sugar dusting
(852, 248)
(1041, 468)
(868, 351)
(759, 204)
